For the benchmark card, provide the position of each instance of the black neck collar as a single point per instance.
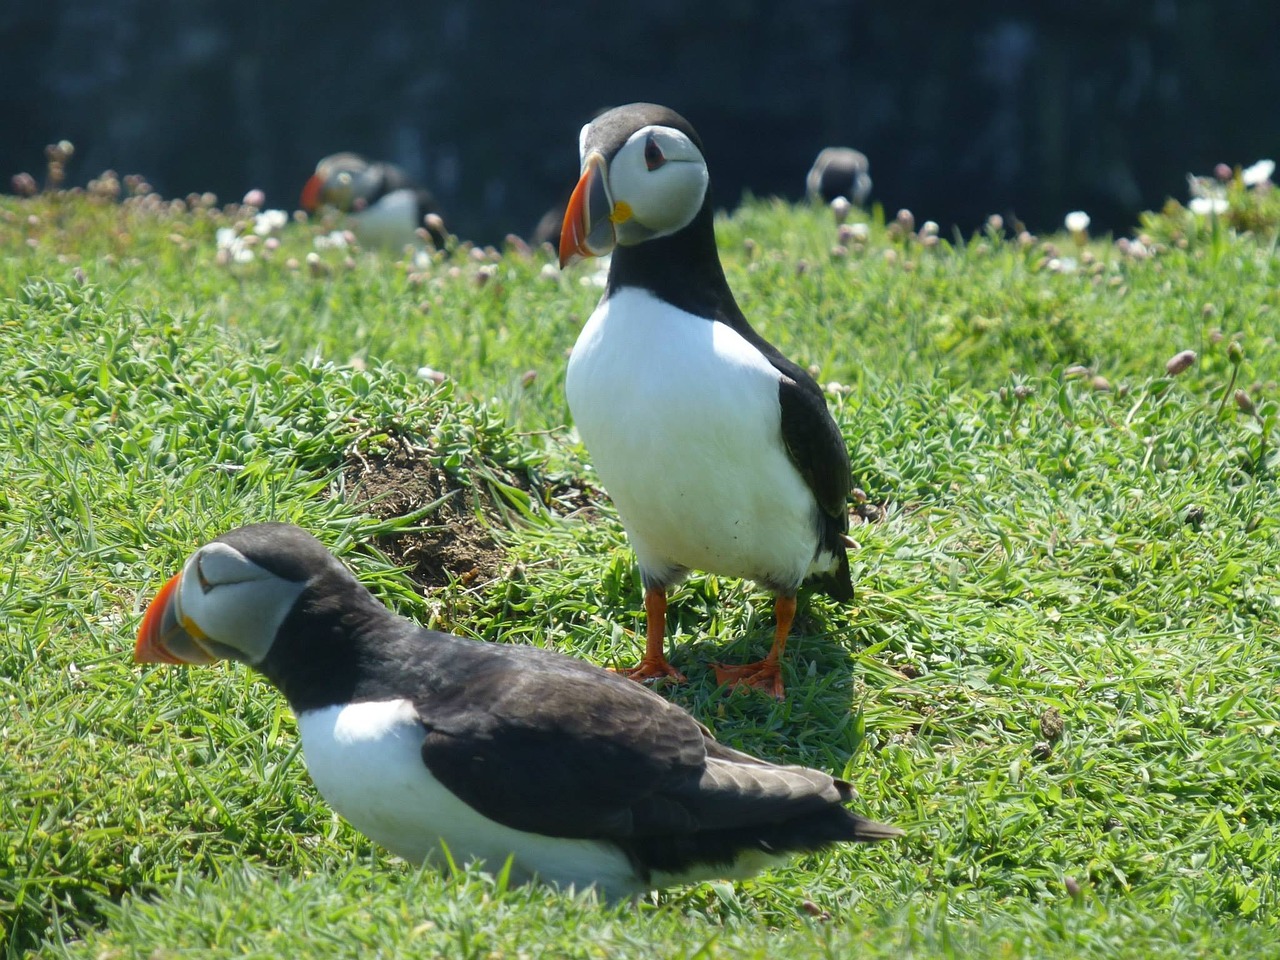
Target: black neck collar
(682, 269)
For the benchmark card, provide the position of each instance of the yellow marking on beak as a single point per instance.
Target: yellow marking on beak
(621, 212)
(189, 625)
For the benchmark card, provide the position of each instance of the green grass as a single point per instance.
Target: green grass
(1061, 672)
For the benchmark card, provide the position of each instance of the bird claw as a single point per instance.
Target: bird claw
(648, 669)
(763, 675)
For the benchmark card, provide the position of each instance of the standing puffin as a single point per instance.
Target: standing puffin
(385, 206)
(718, 451)
(421, 738)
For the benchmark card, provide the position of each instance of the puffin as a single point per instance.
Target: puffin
(719, 453)
(439, 747)
(386, 207)
(840, 172)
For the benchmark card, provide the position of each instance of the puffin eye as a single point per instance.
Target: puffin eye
(205, 585)
(653, 156)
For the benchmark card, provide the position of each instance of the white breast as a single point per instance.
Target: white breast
(365, 760)
(683, 423)
(391, 222)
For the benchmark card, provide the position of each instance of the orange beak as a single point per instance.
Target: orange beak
(163, 638)
(311, 193)
(588, 229)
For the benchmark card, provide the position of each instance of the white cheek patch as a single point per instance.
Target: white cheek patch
(233, 601)
(667, 198)
(663, 200)
(582, 144)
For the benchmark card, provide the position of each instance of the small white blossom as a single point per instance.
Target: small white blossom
(435, 376)
(236, 250)
(1204, 187)
(1077, 221)
(1259, 173)
(269, 221)
(336, 240)
(1204, 206)
(860, 232)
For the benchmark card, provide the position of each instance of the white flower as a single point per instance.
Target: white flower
(1077, 221)
(337, 240)
(1204, 186)
(1259, 173)
(269, 221)
(435, 376)
(860, 232)
(236, 250)
(1204, 206)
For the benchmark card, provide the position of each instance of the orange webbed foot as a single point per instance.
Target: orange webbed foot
(651, 669)
(763, 675)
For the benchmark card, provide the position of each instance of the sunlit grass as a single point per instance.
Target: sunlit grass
(1060, 672)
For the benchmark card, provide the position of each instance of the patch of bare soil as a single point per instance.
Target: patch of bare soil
(458, 544)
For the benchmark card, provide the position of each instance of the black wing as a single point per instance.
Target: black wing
(814, 441)
(809, 431)
(557, 747)
(817, 448)
(561, 751)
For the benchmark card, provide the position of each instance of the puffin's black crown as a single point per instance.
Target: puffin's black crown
(613, 128)
(287, 551)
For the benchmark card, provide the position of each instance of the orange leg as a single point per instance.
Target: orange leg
(764, 674)
(654, 662)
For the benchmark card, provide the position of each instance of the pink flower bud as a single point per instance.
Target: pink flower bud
(1179, 362)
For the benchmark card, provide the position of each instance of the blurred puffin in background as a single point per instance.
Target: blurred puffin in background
(840, 172)
(384, 205)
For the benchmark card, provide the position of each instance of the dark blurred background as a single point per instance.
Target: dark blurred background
(964, 108)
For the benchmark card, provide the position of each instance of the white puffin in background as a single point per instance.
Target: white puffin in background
(719, 452)
(423, 740)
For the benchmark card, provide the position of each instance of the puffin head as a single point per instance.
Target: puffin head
(340, 180)
(231, 596)
(643, 177)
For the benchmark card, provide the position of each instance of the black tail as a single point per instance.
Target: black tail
(838, 584)
(683, 852)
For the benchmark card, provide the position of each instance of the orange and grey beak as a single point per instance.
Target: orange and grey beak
(590, 217)
(163, 637)
(311, 193)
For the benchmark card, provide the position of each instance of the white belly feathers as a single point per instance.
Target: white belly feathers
(366, 762)
(682, 419)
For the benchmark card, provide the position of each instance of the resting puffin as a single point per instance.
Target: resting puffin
(418, 737)
(840, 172)
(718, 451)
(385, 206)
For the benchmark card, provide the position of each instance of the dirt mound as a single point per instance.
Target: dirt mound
(458, 542)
